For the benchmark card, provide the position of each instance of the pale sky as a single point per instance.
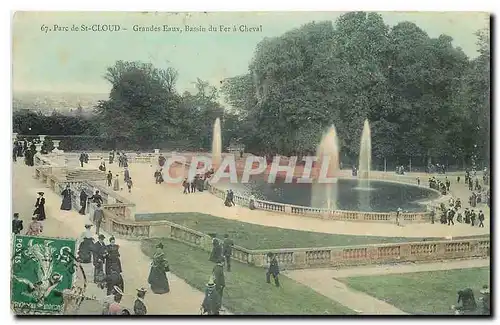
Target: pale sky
(76, 61)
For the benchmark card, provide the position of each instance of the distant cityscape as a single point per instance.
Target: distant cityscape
(64, 103)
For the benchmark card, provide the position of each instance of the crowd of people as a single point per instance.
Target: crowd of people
(26, 149)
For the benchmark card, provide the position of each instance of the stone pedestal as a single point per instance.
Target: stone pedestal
(42, 138)
(56, 145)
(38, 148)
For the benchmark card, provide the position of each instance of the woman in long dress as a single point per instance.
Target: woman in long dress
(86, 246)
(83, 202)
(116, 184)
(113, 257)
(40, 207)
(66, 202)
(158, 273)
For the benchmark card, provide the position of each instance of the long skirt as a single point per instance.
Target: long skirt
(40, 212)
(66, 203)
(99, 275)
(115, 263)
(158, 280)
(85, 250)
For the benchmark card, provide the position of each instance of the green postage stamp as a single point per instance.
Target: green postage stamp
(42, 267)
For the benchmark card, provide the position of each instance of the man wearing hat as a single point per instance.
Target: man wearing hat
(273, 270)
(99, 253)
(227, 251)
(212, 301)
(40, 207)
(139, 305)
(481, 219)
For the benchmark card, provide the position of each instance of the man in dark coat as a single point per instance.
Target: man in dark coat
(98, 217)
(96, 198)
(113, 257)
(99, 254)
(273, 270)
(83, 202)
(139, 305)
(481, 219)
(219, 279)
(114, 278)
(216, 253)
(227, 251)
(109, 177)
(17, 225)
(40, 207)
(451, 214)
(472, 217)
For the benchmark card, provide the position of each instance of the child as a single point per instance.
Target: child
(129, 184)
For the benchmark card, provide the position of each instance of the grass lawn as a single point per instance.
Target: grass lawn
(246, 290)
(252, 236)
(422, 292)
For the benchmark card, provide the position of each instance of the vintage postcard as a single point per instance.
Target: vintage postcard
(251, 163)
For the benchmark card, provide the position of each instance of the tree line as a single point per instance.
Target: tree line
(425, 99)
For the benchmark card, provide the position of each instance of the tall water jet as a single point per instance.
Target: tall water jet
(365, 162)
(324, 195)
(216, 145)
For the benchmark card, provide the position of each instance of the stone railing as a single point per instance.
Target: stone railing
(120, 206)
(340, 215)
(296, 258)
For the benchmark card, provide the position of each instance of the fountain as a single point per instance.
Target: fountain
(216, 145)
(324, 195)
(365, 153)
(365, 162)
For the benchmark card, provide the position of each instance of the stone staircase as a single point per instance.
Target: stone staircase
(85, 174)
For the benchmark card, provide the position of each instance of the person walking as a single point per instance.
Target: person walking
(273, 270)
(227, 251)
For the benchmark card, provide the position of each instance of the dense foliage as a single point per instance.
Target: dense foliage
(425, 99)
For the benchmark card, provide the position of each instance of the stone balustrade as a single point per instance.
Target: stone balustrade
(297, 258)
(328, 214)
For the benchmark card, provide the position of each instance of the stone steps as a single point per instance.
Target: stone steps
(85, 175)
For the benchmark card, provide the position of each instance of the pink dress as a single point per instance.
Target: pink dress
(34, 228)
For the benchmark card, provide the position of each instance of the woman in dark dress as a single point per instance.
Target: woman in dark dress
(66, 202)
(83, 202)
(40, 207)
(113, 257)
(86, 246)
(158, 273)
